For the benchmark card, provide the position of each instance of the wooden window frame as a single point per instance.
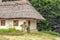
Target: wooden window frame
(15, 22)
(2, 22)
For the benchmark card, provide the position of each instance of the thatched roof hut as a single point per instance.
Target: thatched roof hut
(18, 9)
(15, 13)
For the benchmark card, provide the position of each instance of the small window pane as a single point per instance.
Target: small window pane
(2, 22)
(15, 23)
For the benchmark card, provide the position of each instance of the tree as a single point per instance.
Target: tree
(50, 9)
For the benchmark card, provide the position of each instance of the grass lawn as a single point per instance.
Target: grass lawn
(26, 36)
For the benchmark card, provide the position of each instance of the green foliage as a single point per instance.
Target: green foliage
(52, 33)
(45, 25)
(24, 26)
(10, 31)
(50, 9)
(49, 25)
(13, 30)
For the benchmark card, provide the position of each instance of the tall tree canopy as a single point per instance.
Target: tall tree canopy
(50, 9)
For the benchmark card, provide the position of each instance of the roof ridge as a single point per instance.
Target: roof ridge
(13, 3)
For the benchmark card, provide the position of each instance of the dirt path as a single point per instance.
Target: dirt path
(40, 36)
(58, 38)
(29, 37)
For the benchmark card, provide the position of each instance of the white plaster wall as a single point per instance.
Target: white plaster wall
(33, 25)
(9, 24)
(21, 21)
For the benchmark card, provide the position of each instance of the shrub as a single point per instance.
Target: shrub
(10, 31)
(45, 25)
(13, 30)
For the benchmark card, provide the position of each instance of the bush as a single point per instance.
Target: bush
(10, 31)
(45, 25)
(13, 30)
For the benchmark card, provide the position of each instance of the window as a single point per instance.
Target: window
(15, 23)
(8, 0)
(2, 22)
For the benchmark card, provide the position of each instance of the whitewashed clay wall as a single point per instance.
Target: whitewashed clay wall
(9, 24)
(33, 27)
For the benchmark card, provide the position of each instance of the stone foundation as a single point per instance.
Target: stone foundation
(34, 31)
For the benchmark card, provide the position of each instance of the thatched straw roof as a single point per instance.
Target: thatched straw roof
(18, 9)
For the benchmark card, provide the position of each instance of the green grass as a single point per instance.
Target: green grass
(31, 36)
(52, 33)
(10, 31)
(42, 35)
(14, 31)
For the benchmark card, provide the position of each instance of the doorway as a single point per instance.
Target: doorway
(28, 28)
